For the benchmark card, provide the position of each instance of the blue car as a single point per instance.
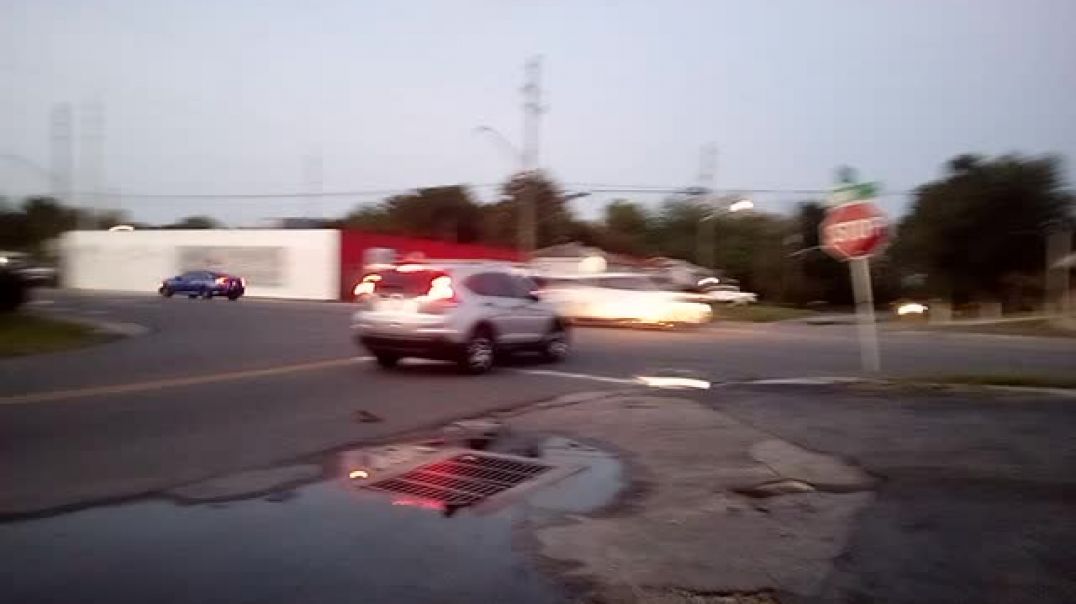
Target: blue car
(205, 284)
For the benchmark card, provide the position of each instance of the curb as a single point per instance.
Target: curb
(846, 381)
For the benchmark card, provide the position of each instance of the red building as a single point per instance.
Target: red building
(355, 244)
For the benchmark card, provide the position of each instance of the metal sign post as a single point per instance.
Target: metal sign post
(865, 323)
(855, 229)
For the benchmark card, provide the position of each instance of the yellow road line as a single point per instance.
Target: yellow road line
(194, 380)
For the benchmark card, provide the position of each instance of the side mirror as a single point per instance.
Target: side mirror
(534, 295)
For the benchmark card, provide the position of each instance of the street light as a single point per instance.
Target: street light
(527, 235)
(505, 144)
(705, 254)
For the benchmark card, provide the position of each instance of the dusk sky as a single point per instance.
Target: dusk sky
(231, 96)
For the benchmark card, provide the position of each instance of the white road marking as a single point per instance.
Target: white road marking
(672, 382)
(578, 376)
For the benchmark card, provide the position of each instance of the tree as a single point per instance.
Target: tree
(445, 213)
(626, 228)
(816, 276)
(676, 228)
(36, 221)
(979, 231)
(554, 222)
(748, 247)
(373, 218)
(194, 222)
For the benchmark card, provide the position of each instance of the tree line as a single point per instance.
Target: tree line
(977, 232)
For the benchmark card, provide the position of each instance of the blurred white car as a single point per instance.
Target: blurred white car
(624, 298)
(729, 294)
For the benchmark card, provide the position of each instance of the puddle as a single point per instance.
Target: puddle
(325, 542)
(594, 486)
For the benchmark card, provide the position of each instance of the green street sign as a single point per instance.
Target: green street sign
(847, 193)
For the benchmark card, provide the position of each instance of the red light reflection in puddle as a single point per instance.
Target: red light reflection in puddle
(426, 504)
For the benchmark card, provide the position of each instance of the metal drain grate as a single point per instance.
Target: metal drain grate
(462, 480)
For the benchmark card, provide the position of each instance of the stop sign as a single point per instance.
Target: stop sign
(854, 230)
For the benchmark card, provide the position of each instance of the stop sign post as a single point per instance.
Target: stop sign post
(852, 232)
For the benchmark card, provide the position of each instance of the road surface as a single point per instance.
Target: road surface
(218, 387)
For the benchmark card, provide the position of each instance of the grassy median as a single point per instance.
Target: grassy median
(22, 334)
(759, 313)
(1036, 327)
(1026, 380)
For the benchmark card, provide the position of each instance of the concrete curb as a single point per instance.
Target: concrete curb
(845, 381)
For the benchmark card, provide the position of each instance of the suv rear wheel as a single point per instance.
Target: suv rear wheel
(478, 353)
(387, 359)
(555, 346)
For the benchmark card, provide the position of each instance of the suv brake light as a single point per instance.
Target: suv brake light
(440, 298)
(367, 286)
(441, 289)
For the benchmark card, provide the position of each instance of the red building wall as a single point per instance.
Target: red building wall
(353, 245)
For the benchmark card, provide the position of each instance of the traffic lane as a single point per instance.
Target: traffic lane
(193, 337)
(716, 354)
(783, 351)
(101, 447)
(997, 470)
(187, 337)
(926, 354)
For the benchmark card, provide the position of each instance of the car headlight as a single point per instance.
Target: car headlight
(911, 308)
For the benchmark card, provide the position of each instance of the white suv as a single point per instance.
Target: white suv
(457, 311)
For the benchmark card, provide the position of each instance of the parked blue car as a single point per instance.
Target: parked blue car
(205, 284)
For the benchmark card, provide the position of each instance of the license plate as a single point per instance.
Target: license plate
(399, 305)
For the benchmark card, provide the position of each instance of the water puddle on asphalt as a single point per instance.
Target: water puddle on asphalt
(325, 542)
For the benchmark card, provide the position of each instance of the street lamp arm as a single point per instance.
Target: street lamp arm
(502, 141)
(28, 163)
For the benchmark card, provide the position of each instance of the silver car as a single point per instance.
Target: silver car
(461, 312)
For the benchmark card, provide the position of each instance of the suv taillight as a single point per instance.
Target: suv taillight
(366, 287)
(440, 297)
(441, 289)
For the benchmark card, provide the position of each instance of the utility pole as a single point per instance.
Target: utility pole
(1057, 295)
(62, 160)
(91, 158)
(707, 173)
(532, 113)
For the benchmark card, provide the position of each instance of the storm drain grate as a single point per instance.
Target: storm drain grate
(462, 480)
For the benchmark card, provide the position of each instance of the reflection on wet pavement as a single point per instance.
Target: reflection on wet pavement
(325, 542)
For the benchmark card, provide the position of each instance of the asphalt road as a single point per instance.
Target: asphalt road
(975, 493)
(217, 387)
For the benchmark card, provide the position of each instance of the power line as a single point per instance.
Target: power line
(664, 189)
(594, 188)
(293, 195)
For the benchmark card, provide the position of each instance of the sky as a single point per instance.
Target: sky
(208, 97)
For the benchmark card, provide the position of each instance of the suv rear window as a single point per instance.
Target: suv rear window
(409, 284)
